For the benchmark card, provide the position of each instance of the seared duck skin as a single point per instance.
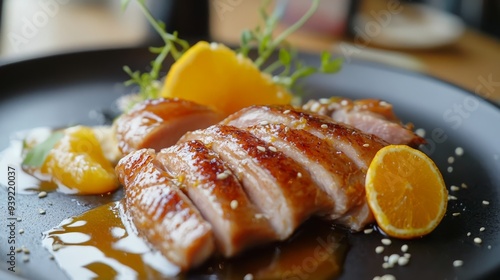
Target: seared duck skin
(280, 187)
(356, 145)
(159, 123)
(217, 193)
(371, 116)
(330, 169)
(162, 213)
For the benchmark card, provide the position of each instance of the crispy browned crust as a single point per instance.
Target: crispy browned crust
(162, 213)
(216, 191)
(159, 123)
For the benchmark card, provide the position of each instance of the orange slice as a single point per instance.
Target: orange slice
(405, 191)
(214, 75)
(78, 162)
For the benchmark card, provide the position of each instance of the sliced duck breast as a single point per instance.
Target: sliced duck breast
(358, 146)
(281, 188)
(162, 213)
(218, 195)
(330, 169)
(371, 116)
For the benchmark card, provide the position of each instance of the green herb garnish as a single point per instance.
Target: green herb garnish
(37, 155)
(291, 68)
(148, 82)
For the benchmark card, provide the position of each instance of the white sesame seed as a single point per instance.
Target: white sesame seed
(19, 249)
(344, 102)
(393, 259)
(41, 211)
(366, 145)
(19, 219)
(386, 241)
(463, 185)
(468, 233)
(386, 265)
(26, 258)
(315, 107)
(260, 148)
(404, 248)
(368, 231)
(452, 197)
(481, 229)
(234, 204)
(21, 231)
(454, 188)
(386, 258)
(264, 123)
(324, 101)
(248, 276)
(379, 249)
(286, 112)
(402, 261)
(324, 126)
(451, 160)
(273, 149)
(26, 250)
(259, 216)
(478, 240)
(42, 194)
(388, 277)
(459, 151)
(299, 175)
(420, 132)
(449, 169)
(458, 263)
(222, 176)
(489, 247)
(486, 202)
(455, 214)
(407, 255)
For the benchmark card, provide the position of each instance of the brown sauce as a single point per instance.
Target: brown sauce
(103, 243)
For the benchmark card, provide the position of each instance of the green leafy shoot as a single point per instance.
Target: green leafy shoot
(148, 82)
(287, 69)
(37, 155)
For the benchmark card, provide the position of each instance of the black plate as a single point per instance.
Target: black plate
(62, 90)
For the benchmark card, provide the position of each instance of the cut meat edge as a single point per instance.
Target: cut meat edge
(218, 195)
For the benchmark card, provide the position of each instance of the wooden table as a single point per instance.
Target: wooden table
(473, 62)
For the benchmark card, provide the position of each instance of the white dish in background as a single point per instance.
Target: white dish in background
(411, 26)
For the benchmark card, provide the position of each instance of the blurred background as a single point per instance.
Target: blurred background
(455, 40)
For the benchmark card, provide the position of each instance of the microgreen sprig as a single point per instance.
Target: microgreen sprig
(292, 69)
(148, 82)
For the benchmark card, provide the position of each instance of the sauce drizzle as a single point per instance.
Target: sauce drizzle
(103, 243)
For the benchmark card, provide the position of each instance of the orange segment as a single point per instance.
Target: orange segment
(78, 162)
(405, 192)
(213, 75)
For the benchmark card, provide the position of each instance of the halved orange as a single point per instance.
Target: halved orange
(215, 76)
(405, 191)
